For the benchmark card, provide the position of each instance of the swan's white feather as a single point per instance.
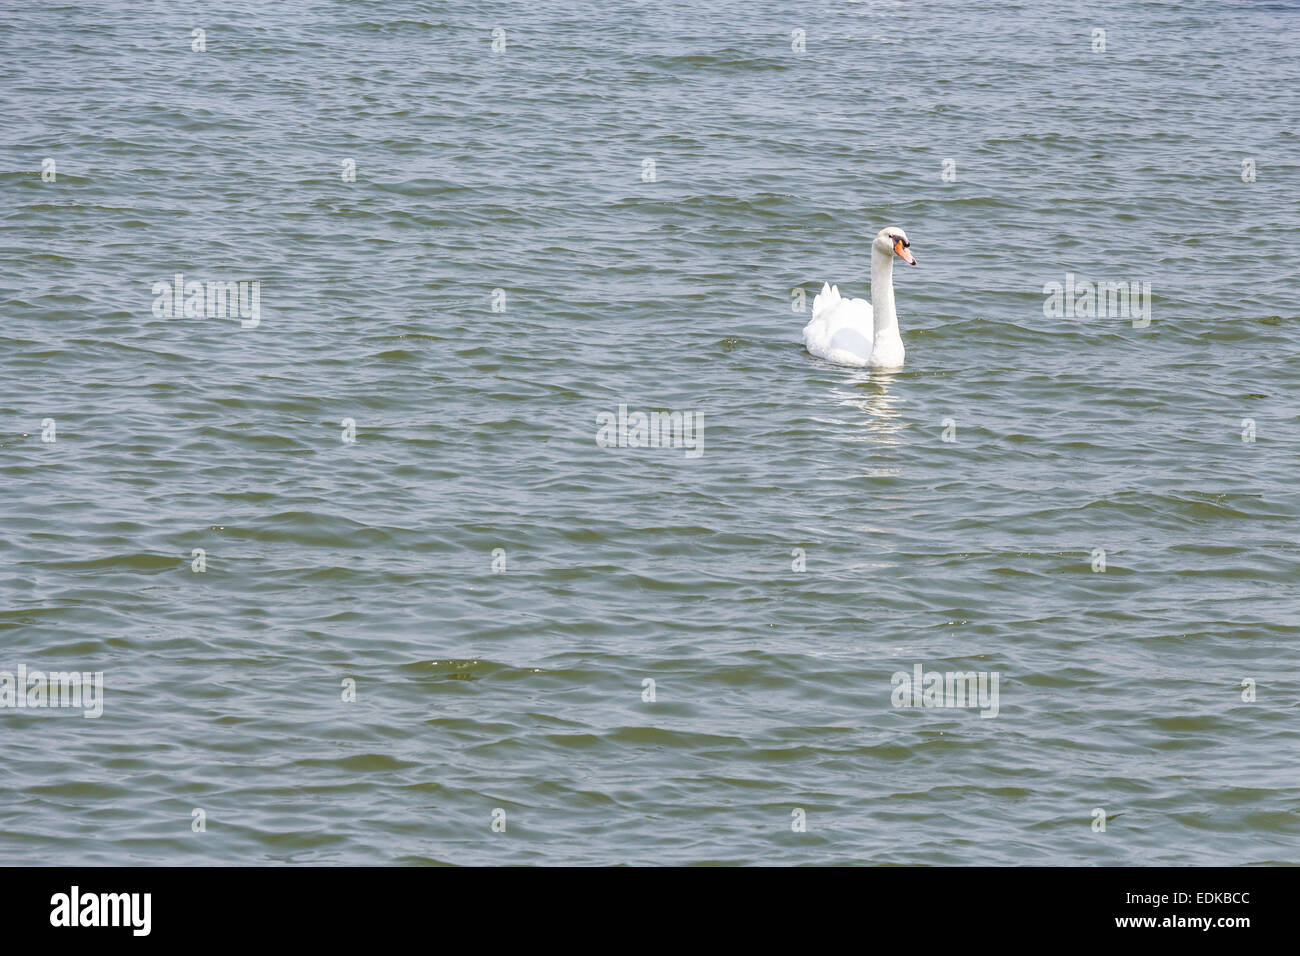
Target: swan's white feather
(841, 330)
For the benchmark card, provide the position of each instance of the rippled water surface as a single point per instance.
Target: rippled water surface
(840, 525)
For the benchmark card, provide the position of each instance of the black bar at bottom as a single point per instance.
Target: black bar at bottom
(300, 905)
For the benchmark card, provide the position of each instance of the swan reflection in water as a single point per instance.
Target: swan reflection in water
(879, 409)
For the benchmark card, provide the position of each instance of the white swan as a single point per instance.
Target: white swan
(843, 331)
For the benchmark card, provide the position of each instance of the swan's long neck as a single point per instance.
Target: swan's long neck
(882, 293)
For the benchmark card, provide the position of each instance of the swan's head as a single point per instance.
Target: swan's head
(892, 240)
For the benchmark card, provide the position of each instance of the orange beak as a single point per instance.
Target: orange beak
(902, 252)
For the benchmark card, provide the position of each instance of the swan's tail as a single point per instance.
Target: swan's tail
(829, 296)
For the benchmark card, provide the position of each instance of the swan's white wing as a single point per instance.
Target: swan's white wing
(841, 330)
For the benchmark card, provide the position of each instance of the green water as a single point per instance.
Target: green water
(1099, 510)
